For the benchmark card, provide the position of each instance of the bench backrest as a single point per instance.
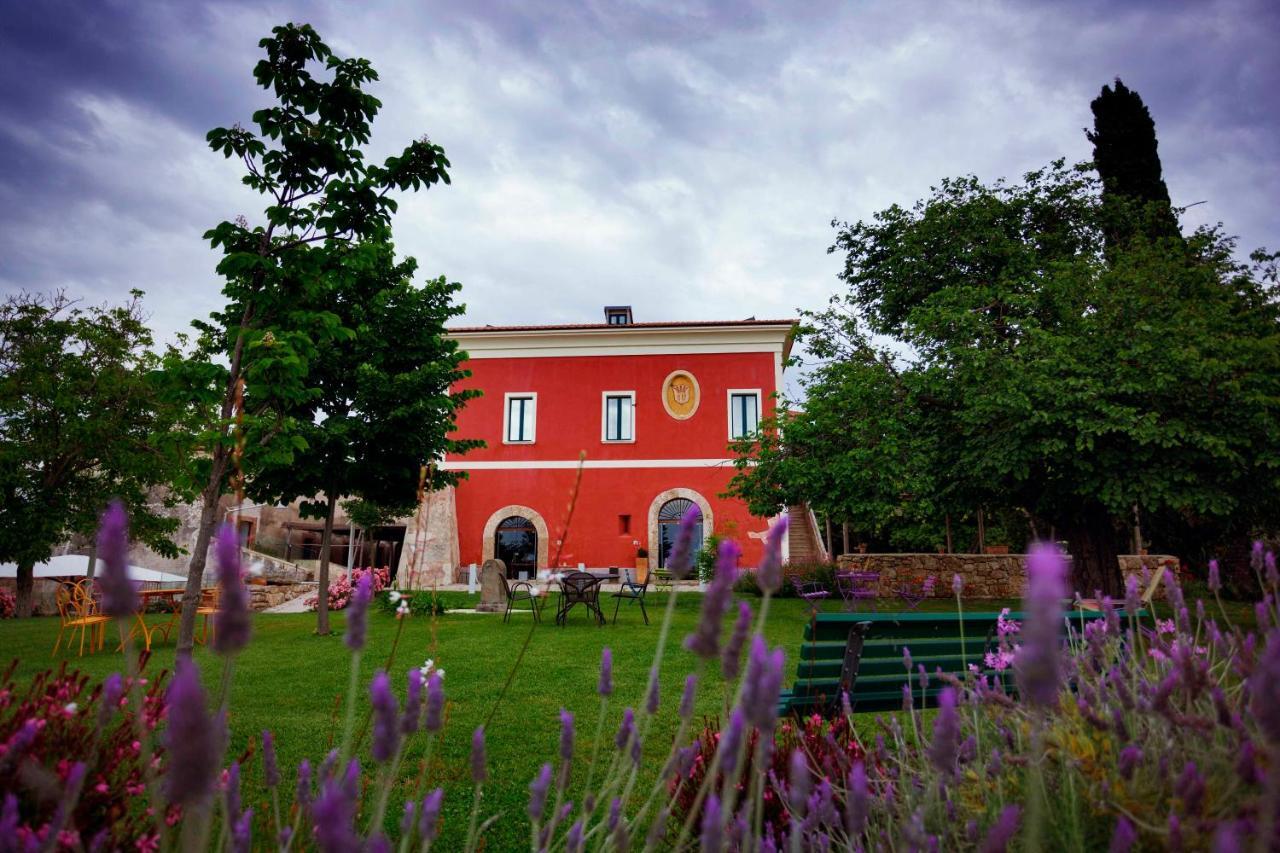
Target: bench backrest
(938, 641)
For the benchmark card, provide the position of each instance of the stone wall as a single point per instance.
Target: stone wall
(984, 575)
(262, 597)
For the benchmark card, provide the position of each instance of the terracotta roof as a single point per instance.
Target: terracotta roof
(672, 324)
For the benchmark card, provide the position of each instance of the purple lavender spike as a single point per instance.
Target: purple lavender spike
(712, 825)
(119, 598)
(731, 741)
(1264, 685)
(686, 699)
(705, 640)
(680, 560)
(799, 781)
(191, 739)
(769, 574)
(1037, 663)
(1124, 837)
(946, 733)
(109, 701)
(358, 613)
(731, 659)
(435, 703)
(386, 718)
(303, 793)
(412, 715)
(333, 812)
(605, 685)
(857, 801)
(573, 838)
(1215, 577)
(270, 769)
(231, 623)
(429, 815)
(1002, 831)
(538, 793)
(478, 772)
(652, 698)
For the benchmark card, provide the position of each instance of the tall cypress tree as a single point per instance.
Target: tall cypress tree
(1125, 153)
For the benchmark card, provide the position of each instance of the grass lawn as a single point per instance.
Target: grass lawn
(291, 681)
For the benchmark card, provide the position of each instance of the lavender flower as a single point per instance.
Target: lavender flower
(799, 781)
(191, 738)
(857, 801)
(358, 612)
(906, 658)
(769, 573)
(406, 821)
(232, 792)
(731, 742)
(626, 730)
(1215, 577)
(435, 703)
(1174, 841)
(1227, 838)
(712, 824)
(334, 811)
(538, 793)
(270, 769)
(731, 658)
(1002, 831)
(1124, 837)
(705, 641)
(303, 795)
(946, 733)
(112, 691)
(686, 699)
(1255, 556)
(1190, 788)
(566, 739)
(573, 838)
(231, 624)
(1264, 684)
(995, 766)
(615, 812)
(386, 718)
(1247, 764)
(119, 598)
(1273, 574)
(429, 814)
(763, 683)
(652, 698)
(680, 560)
(412, 703)
(1132, 598)
(1130, 758)
(957, 585)
(478, 773)
(605, 687)
(1037, 663)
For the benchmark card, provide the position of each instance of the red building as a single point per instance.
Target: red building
(653, 406)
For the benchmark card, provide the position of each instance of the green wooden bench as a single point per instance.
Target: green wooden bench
(862, 653)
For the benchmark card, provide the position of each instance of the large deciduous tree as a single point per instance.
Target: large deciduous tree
(1048, 370)
(81, 421)
(382, 406)
(306, 156)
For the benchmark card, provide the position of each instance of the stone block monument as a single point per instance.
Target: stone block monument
(492, 599)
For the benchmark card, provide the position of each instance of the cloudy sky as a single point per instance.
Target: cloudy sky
(683, 157)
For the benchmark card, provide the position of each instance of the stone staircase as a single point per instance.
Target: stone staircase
(804, 545)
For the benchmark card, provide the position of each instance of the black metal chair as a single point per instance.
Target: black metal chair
(579, 588)
(517, 591)
(632, 591)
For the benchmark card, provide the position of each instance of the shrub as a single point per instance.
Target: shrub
(8, 604)
(56, 721)
(342, 587)
(823, 573)
(420, 603)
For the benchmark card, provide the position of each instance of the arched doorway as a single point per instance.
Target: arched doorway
(515, 543)
(669, 517)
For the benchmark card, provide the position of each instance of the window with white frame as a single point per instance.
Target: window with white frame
(619, 416)
(744, 413)
(521, 418)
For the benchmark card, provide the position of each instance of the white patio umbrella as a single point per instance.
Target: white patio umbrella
(74, 566)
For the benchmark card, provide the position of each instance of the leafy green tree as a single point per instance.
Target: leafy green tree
(306, 156)
(383, 405)
(81, 421)
(1052, 374)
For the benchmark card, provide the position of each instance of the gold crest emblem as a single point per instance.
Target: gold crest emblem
(680, 395)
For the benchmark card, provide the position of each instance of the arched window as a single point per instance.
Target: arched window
(516, 545)
(669, 516)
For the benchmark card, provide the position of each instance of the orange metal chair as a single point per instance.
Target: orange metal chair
(208, 607)
(78, 612)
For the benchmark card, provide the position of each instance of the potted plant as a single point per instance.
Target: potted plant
(997, 549)
(642, 564)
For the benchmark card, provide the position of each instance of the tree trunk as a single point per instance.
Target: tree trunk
(25, 586)
(199, 554)
(1095, 553)
(982, 533)
(322, 600)
(92, 568)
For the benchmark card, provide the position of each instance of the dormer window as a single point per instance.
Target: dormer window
(618, 315)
